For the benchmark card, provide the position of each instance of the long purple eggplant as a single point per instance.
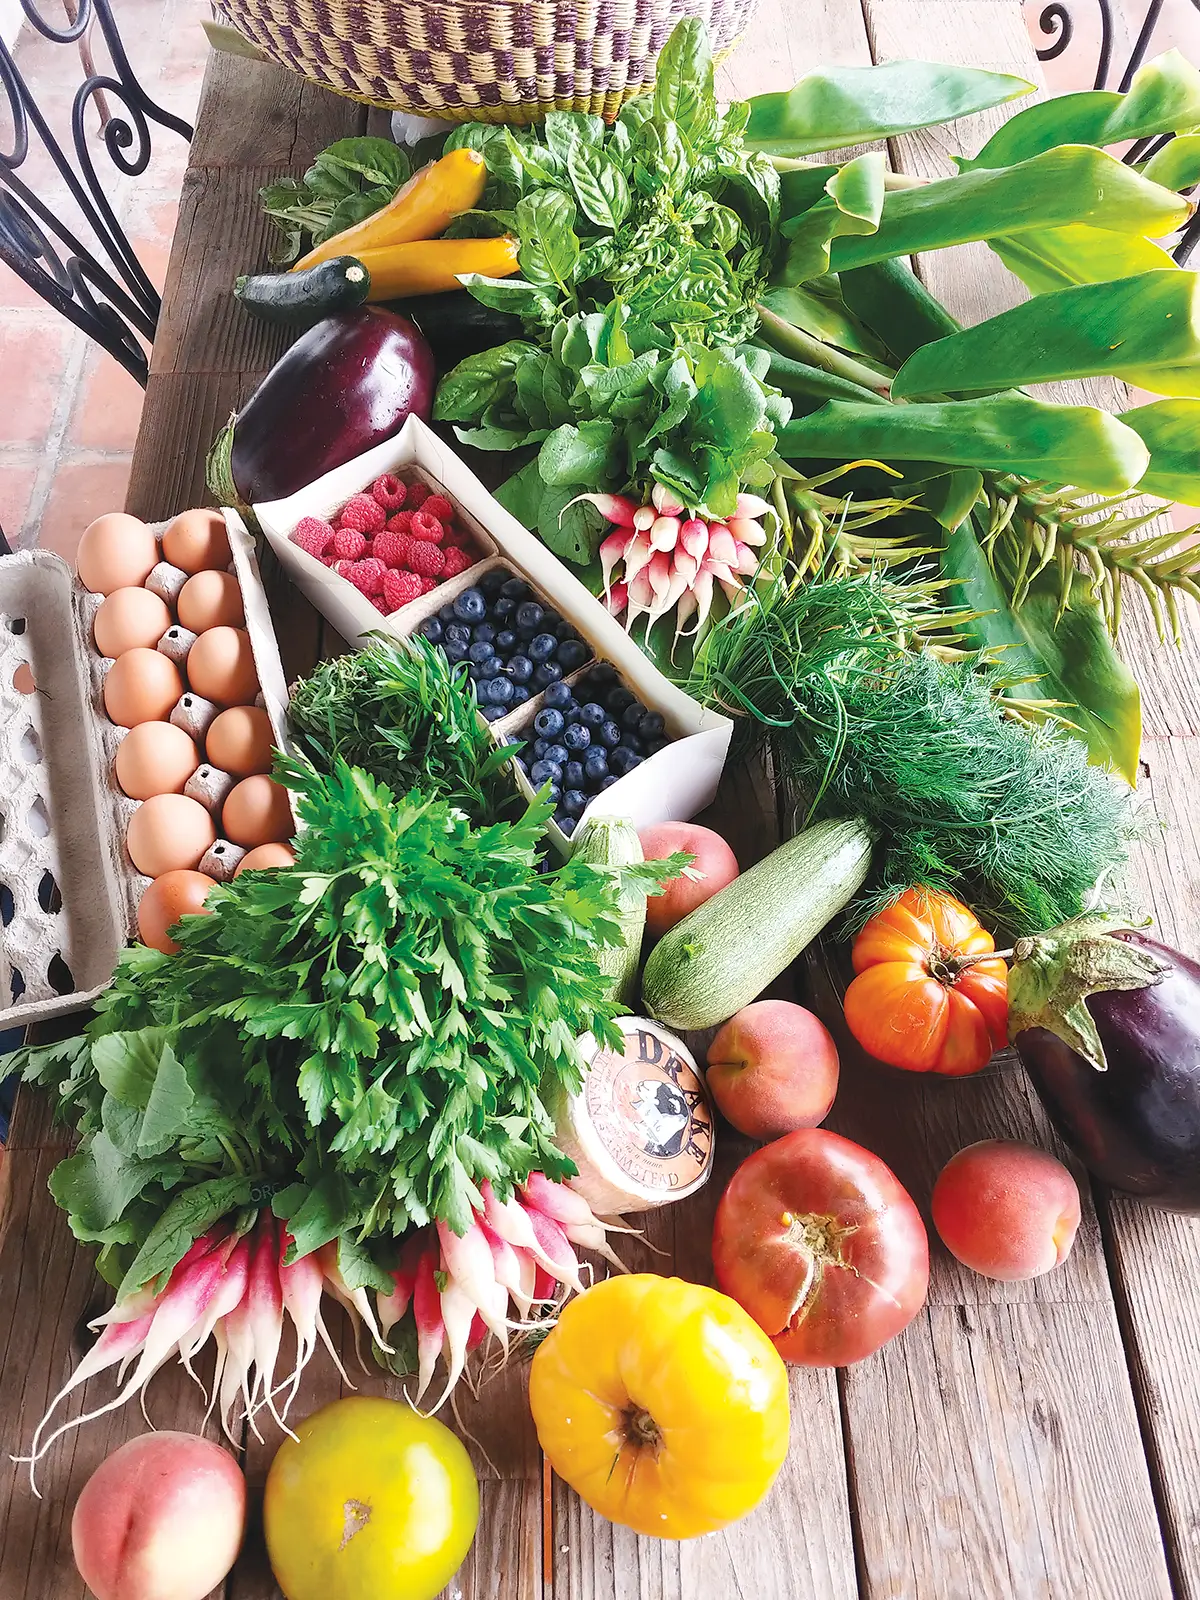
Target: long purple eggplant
(1107, 1023)
(349, 383)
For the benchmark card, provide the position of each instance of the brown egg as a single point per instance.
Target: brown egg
(167, 832)
(130, 618)
(141, 686)
(155, 758)
(255, 812)
(240, 741)
(210, 600)
(220, 666)
(264, 856)
(197, 541)
(176, 894)
(115, 552)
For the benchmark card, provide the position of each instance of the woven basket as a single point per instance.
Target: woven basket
(479, 60)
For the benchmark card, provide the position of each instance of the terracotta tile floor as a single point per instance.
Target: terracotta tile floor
(68, 427)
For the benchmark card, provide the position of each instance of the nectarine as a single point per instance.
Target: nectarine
(715, 866)
(773, 1068)
(1006, 1210)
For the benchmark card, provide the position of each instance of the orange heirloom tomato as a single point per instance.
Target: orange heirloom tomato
(927, 997)
(662, 1403)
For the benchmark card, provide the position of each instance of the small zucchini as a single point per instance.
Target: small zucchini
(725, 953)
(613, 842)
(300, 299)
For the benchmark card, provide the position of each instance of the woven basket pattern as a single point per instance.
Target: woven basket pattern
(479, 60)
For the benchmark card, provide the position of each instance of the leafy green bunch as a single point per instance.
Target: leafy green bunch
(348, 182)
(365, 1036)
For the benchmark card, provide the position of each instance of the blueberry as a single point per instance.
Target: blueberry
(623, 761)
(431, 629)
(520, 694)
(653, 746)
(572, 653)
(520, 669)
(469, 606)
(483, 633)
(457, 633)
(564, 630)
(592, 715)
(574, 712)
(632, 716)
(609, 734)
(500, 610)
(549, 723)
(514, 589)
(618, 699)
(492, 713)
(567, 824)
(542, 646)
(498, 690)
(554, 793)
(573, 774)
(492, 582)
(529, 617)
(523, 764)
(549, 672)
(595, 765)
(651, 727)
(484, 650)
(602, 675)
(544, 771)
(574, 801)
(446, 614)
(540, 746)
(633, 744)
(559, 696)
(454, 653)
(477, 671)
(577, 737)
(551, 619)
(558, 753)
(505, 642)
(608, 782)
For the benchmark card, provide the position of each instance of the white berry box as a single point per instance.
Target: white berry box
(672, 783)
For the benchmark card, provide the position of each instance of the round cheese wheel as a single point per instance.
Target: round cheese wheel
(641, 1129)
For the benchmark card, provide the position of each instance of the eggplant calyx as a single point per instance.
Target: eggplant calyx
(1055, 972)
(218, 469)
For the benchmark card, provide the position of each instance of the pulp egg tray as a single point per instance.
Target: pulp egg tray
(671, 785)
(68, 890)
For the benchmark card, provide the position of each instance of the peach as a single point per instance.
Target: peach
(773, 1068)
(1006, 1210)
(714, 867)
(159, 1519)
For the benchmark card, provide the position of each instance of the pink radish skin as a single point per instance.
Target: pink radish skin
(302, 1283)
(391, 1307)
(666, 501)
(556, 1248)
(458, 1318)
(468, 1260)
(510, 1220)
(616, 508)
(506, 1266)
(752, 506)
(427, 1314)
(226, 1296)
(264, 1302)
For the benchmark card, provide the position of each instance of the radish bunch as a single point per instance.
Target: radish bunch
(670, 557)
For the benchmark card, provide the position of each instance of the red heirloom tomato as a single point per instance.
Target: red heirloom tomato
(823, 1246)
(927, 997)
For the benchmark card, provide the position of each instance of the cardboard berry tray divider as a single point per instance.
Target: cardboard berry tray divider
(64, 814)
(673, 784)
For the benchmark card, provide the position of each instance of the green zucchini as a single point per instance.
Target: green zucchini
(613, 842)
(728, 950)
(303, 298)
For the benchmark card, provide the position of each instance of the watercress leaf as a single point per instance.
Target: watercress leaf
(489, 437)
(577, 455)
(599, 184)
(479, 381)
(188, 1215)
(549, 248)
(683, 82)
(678, 472)
(583, 340)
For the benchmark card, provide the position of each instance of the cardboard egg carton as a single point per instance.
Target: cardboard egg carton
(68, 890)
(669, 786)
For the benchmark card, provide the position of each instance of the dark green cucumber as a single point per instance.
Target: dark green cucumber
(301, 299)
(456, 325)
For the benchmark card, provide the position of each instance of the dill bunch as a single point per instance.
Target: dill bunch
(1011, 818)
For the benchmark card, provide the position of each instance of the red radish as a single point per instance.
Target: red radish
(618, 509)
(467, 1258)
(713, 868)
(557, 1248)
(427, 1314)
(302, 1284)
(264, 1301)
(226, 1296)
(391, 1307)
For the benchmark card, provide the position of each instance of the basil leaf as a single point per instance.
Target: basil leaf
(549, 246)
(479, 381)
(350, 209)
(514, 295)
(599, 185)
(567, 131)
(683, 82)
(378, 162)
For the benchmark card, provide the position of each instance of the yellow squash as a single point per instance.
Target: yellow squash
(431, 266)
(662, 1403)
(422, 209)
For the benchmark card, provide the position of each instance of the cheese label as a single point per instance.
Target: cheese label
(650, 1111)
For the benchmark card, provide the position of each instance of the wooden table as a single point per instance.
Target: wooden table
(1034, 1441)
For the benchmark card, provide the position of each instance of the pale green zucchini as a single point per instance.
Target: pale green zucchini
(613, 842)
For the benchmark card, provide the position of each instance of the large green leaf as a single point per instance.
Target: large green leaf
(1163, 97)
(1056, 258)
(1004, 433)
(1074, 183)
(1143, 329)
(1176, 165)
(839, 106)
(1171, 431)
(1071, 659)
(825, 317)
(852, 204)
(894, 303)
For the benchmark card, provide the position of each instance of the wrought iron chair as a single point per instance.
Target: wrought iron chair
(102, 289)
(1055, 20)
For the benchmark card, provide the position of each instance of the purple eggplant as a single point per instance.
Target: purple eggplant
(1107, 1023)
(349, 383)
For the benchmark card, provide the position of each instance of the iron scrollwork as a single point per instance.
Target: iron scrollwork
(102, 289)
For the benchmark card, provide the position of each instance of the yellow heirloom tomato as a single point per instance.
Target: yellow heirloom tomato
(662, 1403)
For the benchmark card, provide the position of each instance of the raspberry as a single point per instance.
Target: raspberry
(380, 604)
(416, 495)
(426, 560)
(328, 559)
(400, 589)
(427, 528)
(457, 561)
(363, 513)
(428, 585)
(314, 535)
(349, 544)
(456, 539)
(438, 506)
(389, 492)
(390, 547)
(400, 523)
(366, 576)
